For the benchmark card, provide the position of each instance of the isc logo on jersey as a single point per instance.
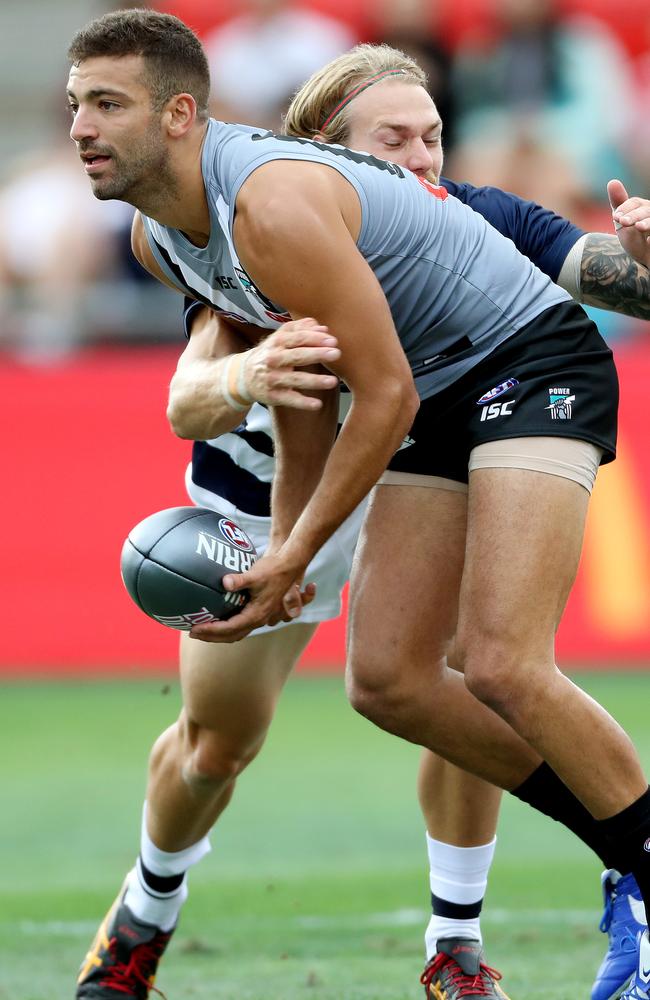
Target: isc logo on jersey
(224, 554)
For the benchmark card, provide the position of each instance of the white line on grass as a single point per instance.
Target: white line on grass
(410, 918)
(56, 928)
(391, 918)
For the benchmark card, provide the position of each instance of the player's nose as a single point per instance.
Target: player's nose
(82, 126)
(420, 158)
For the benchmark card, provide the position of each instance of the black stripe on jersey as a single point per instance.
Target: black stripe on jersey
(214, 470)
(258, 440)
(176, 271)
(349, 154)
(189, 309)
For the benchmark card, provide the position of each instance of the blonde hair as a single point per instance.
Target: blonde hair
(313, 109)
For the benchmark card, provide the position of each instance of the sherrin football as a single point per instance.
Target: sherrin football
(173, 563)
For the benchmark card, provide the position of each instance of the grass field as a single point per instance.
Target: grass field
(317, 884)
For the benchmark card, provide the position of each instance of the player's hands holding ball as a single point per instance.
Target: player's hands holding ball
(274, 584)
(275, 372)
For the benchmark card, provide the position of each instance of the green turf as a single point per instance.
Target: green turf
(317, 884)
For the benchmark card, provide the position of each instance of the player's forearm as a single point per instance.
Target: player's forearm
(611, 279)
(302, 445)
(204, 398)
(373, 431)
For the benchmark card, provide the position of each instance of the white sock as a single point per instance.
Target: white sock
(149, 906)
(457, 875)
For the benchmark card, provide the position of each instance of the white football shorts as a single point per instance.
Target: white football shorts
(329, 569)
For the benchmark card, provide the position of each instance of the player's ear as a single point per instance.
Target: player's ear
(179, 114)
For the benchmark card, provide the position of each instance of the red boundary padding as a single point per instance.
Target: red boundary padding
(87, 453)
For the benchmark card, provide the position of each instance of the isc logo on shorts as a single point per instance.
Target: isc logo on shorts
(495, 410)
(234, 535)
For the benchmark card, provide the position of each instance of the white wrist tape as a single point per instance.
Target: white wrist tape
(242, 388)
(224, 386)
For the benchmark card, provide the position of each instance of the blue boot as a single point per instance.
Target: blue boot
(623, 920)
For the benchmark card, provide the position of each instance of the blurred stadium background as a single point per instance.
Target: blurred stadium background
(549, 99)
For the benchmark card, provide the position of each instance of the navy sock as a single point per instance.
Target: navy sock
(544, 791)
(629, 835)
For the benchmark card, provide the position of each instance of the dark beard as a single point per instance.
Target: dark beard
(145, 181)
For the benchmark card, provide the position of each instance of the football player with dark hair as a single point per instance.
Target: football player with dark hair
(187, 177)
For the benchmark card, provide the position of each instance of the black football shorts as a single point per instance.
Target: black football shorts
(554, 378)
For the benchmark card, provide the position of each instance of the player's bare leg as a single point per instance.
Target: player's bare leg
(580, 742)
(527, 527)
(461, 840)
(471, 811)
(229, 695)
(419, 702)
(229, 699)
(397, 672)
(415, 671)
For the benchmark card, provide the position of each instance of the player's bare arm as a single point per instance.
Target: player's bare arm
(323, 268)
(615, 270)
(611, 279)
(205, 398)
(219, 375)
(217, 378)
(322, 274)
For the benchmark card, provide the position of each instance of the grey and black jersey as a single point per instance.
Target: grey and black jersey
(455, 286)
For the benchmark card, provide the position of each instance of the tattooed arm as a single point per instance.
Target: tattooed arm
(607, 271)
(614, 271)
(611, 278)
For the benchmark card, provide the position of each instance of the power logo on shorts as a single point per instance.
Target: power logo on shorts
(234, 535)
(560, 403)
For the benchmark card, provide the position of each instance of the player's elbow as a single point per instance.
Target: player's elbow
(411, 403)
(193, 414)
(180, 421)
(390, 406)
(183, 414)
(402, 399)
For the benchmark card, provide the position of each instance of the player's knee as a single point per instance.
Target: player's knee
(362, 699)
(496, 678)
(487, 687)
(376, 694)
(214, 762)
